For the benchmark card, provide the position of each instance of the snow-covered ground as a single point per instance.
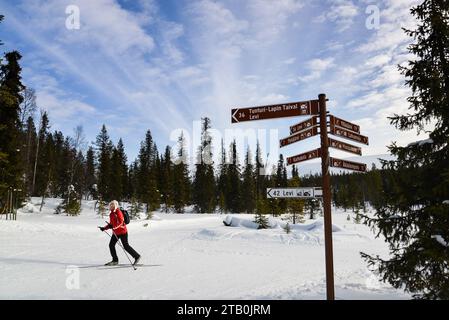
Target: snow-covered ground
(185, 256)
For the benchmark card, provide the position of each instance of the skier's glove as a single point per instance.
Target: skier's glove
(102, 228)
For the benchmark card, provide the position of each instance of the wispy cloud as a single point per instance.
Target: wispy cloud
(139, 64)
(340, 12)
(316, 68)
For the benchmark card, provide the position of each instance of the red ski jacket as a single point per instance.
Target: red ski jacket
(117, 222)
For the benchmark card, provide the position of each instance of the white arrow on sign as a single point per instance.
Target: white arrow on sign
(233, 115)
(304, 193)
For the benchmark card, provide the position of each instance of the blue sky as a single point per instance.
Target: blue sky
(162, 65)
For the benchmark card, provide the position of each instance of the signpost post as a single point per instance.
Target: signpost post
(330, 292)
(302, 131)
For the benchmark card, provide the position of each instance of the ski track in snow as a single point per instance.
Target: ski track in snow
(187, 256)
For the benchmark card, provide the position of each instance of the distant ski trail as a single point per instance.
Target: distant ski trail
(102, 266)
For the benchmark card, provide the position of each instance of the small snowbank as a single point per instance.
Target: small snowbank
(420, 142)
(273, 223)
(440, 240)
(34, 206)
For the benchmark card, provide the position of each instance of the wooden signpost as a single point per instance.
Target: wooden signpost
(305, 130)
(304, 156)
(348, 134)
(291, 109)
(344, 124)
(299, 136)
(345, 146)
(302, 193)
(303, 125)
(350, 165)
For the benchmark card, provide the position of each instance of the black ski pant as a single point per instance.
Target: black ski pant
(126, 246)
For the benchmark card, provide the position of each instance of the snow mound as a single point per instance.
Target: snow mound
(239, 222)
(252, 236)
(278, 224)
(315, 225)
(29, 208)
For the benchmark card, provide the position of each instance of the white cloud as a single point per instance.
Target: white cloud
(388, 76)
(115, 30)
(63, 108)
(270, 18)
(218, 28)
(316, 68)
(289, 61)
(378, 60)
(241, 54)
(394, 16)
(272, 98)
(341, 12)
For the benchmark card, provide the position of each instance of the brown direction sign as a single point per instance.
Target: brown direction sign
(345, 164)
(348, 134)
(344, 124)
(291, 109)
(344, 146)
(303, 125)
(304, 156)
(299, 136)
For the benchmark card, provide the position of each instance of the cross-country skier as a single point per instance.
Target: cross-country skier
(118, 226)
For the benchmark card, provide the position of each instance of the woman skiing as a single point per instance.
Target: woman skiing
(118, 226)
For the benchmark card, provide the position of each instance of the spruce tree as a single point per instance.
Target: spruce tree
(104, 149)
(295, 207)
(30, 147)
(119, 172)
(415, 216)
(222, 180)
(279, 206)
(147, 190)
(166, 179)
(249, 185)
(11, 86)
(89, 174)
(204, 179)
(135, 208)
(42, 157)
(233, 189)
(102, 208)
(181, 179)
(261, 214)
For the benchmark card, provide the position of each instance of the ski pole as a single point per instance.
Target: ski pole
(118, 240)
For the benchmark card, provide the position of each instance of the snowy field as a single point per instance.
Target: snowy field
(184, 256)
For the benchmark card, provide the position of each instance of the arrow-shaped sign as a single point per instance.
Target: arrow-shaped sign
(348, 134)
(304, 156)
(304, 193)
(344, 124)
(345, 164)
(292, 109)
(303, 125)
(299, 136)
(344, 146)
